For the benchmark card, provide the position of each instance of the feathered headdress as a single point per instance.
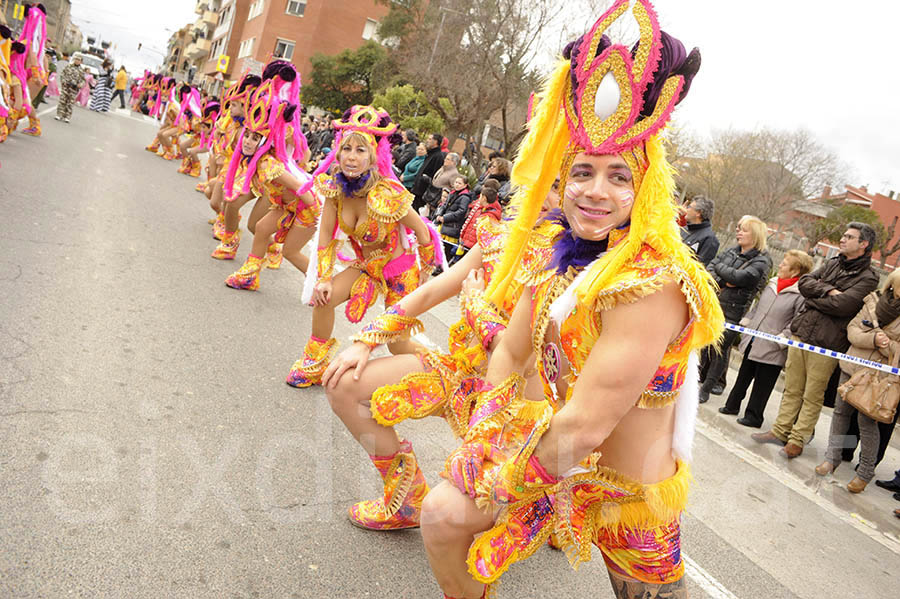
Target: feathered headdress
(269, 119)
(5, 72)
(17, 70)
(190, 103)
(604, 98)
(286, 88)
(376, 127)
(163, 95)
(209, 116)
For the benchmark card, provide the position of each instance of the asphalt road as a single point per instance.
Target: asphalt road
(149, 447)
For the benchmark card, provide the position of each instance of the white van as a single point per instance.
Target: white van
(91, 62)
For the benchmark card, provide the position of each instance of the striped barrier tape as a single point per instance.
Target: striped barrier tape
(813, 348)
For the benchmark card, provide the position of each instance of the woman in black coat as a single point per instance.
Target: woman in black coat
(740, 271)
(452, 214)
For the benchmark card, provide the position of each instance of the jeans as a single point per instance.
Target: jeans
(717, 362)
(121, 94)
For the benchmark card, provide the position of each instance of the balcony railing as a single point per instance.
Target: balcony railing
(197, 49)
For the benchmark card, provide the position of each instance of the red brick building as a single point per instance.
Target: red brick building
(789, 231)
(252, 32)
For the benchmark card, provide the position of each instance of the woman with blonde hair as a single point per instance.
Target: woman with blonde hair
(763, 360)
(874, 335)
(367, 208)
(740, 272)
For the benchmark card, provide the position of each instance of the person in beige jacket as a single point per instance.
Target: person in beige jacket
(874, 334)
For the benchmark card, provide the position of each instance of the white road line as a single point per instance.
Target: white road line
(795, 484)
(47, 110)
(705, 580)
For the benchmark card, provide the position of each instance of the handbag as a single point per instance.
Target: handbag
(874, 393)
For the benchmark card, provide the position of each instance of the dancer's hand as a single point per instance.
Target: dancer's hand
(356, 356)
(323, 293)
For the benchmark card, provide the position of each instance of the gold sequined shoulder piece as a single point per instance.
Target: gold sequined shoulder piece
(645, 275)
(325, 187)
(388, 201)
(269, 168)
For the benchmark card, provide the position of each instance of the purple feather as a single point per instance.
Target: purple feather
(351, 186)
(569, 250)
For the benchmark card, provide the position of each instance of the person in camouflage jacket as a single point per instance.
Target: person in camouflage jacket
(72, 79)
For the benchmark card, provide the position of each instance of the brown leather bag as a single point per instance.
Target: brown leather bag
(874, 393)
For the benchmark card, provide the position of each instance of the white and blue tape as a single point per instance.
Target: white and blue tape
(814, 349)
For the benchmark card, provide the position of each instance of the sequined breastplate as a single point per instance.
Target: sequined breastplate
(563, 353)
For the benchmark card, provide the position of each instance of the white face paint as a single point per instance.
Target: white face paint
(599, 195)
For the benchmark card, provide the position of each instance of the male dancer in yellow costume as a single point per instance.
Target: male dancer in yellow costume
(602, 457)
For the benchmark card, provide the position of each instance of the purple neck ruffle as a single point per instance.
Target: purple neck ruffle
(351, 186)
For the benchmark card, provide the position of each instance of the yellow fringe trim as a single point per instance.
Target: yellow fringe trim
(411, 326)
(395, 497)
(645, 506)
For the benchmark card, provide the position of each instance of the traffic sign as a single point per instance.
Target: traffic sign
(222, 64)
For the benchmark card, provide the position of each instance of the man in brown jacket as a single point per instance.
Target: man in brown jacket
(834, 294)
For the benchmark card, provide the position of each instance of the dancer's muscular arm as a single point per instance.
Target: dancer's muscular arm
(293, 183)
(622, 361)
(626, 588)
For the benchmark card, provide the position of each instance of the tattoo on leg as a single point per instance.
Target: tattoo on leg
(628, 588)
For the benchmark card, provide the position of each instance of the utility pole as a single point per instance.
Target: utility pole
(444, 10)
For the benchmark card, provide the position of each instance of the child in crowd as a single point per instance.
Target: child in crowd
(486, 205)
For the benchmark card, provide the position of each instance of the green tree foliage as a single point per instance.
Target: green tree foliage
(833, 226)
(351, 77)
(409, 109)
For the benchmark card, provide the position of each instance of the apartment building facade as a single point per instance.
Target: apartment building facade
(197, 51)
(252, 32)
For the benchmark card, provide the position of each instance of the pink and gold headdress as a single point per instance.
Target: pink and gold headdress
(269, 119)
(376, 126)
(34, 34)
(606, 98)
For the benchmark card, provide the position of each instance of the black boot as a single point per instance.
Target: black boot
(704, 395)
(744, 421)
(890, 485)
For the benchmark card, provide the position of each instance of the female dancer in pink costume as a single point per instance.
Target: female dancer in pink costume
(261, 165)
(365, 202)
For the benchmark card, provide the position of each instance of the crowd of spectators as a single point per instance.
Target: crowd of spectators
(839, 306)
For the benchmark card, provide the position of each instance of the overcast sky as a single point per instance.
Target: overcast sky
(823, 65)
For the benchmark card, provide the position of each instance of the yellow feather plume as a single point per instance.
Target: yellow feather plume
(536, 168)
